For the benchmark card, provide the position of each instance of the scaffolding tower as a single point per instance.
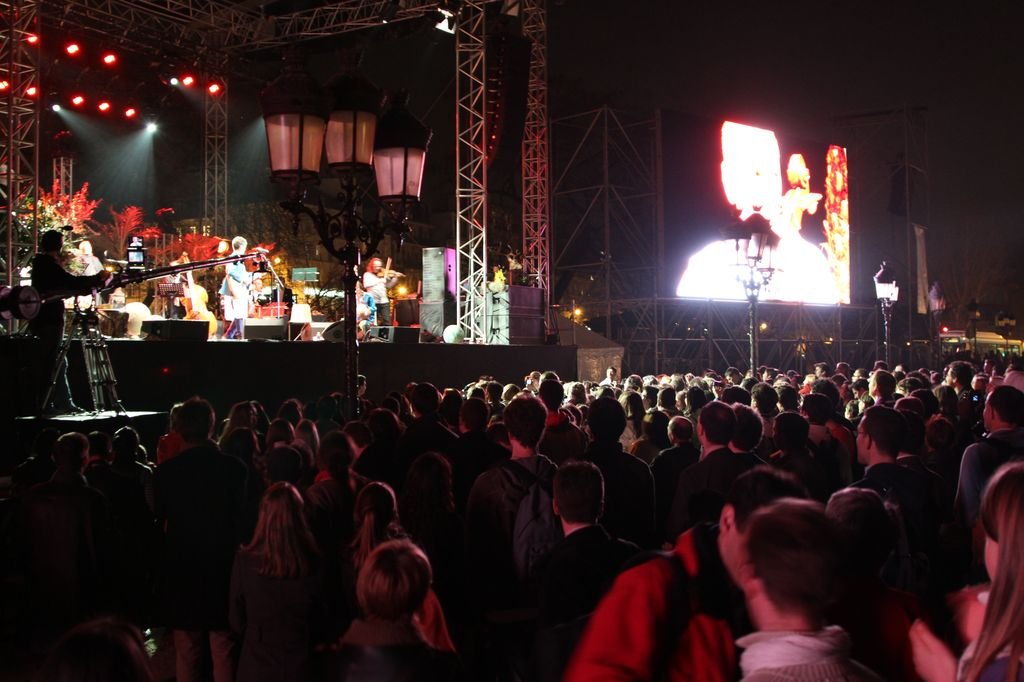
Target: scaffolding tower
(536, 168)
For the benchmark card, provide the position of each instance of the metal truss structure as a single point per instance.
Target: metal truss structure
(536, 168)
(604, 206)
(19, 130)
(215, 154)
(62, 174)
(471, 170)
(694, 335)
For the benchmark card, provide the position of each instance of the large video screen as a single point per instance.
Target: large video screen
(727, 171)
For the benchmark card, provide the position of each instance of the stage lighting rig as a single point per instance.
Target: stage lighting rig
(302, 122)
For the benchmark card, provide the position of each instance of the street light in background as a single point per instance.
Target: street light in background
(1005, 323)
(755, 245)
(887, 292)
(302, 121)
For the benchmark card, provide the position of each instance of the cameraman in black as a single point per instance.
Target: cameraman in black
(54, 283)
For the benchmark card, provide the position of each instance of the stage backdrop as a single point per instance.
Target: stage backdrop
(716, 172)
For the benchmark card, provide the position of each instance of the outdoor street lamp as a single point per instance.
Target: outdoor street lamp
(887, 292)
(755, 244)
(356, 138)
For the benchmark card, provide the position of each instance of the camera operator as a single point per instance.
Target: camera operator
(54, 283)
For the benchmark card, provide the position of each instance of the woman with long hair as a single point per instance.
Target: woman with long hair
(279, 431)
(239, 417)
(996, 650)
(654, 438)
(428, 507)
(276, 606)
(633, 403)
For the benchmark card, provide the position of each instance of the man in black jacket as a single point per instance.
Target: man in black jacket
(199, 498)
(629, 485)
(51, 280)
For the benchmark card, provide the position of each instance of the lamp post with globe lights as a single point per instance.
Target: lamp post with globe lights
(887, 292)
(755, 244)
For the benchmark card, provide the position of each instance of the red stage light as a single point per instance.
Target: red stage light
(78, 100)
(129, 113)
(4, 84)
(32, 38)
(31, 91)
(187, 81)
(109, 58)
(213, 88)
(72, 49)
(103, 106)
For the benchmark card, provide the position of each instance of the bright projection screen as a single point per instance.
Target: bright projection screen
(718, 172)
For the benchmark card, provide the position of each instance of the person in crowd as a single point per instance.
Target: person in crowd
(243, 445)
(307, 434)
(199, 499)
(654, 438)
(474, 452)
(701, 489)
(377, 461)
(98, 650)
(280, 432)
(290, 411)
(1004, 440)
(677, 617)
(276, 598)
(787, 606)
(992, 619)
(39, 466)
(880, 434)
(385, 642)
(629, 511)
(667, 466)
(326, 415)
(882, 388)
(795, 456)
(943, 456)
(127, 455)
(611, 377)
(633, 405)
(562, 440)
(425, 433)
(877, 617)
(427, 506)
(579, 569)
(66, 546)
(451, 403)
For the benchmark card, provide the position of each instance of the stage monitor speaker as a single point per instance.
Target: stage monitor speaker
(393, 334)
(335, 332)
(434, 317)
(407, 312)
(266, 329)
(177, 330)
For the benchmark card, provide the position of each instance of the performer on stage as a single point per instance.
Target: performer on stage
(366, 310)
(51, 279)
(235, 292)
(377, 280)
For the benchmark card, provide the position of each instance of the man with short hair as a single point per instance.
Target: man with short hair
(629, 486)
(474, 452)
(678, 621)
(199, 498)
(611, 377)
(787, 607)
(1003, 441)
(562, 440)
(234, 292)
(669, 463)
(882, 386)
(426, 432)
(701, 489)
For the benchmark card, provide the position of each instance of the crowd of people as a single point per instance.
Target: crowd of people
(850, 524)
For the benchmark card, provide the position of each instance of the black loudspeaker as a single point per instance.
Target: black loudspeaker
(407, 312)
(266, 329)
(434, 317)
(393, 334)
(178, 330)
(335, 332)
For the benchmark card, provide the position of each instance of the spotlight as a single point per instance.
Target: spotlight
(55, 107)
(129, 112)
(187, 81)
(72, 49)
(110, 59)
(4, 85)
(151, 127)
(174, 80)
(32, 38)
(78, 100)
(103, 106)
(446, 21)
(213, 88)
(31, 91)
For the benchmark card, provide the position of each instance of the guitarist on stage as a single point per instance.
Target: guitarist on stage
(235, 292)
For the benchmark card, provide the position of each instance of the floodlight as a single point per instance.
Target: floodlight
(110, 59)
(151, 127)
(72, 49)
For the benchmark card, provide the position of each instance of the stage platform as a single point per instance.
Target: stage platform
(152, 375)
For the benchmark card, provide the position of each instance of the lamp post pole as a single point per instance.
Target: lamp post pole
(887, 322)
(755, 242)
(887, 292)
(302, 120)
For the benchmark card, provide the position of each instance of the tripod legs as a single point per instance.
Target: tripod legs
(100, 372)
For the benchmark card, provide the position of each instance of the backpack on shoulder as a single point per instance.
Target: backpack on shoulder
(536, 529)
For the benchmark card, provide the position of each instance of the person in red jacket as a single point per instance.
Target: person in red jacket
(660, 622)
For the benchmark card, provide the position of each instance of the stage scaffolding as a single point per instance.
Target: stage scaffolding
(536, 162)
(19, 130)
